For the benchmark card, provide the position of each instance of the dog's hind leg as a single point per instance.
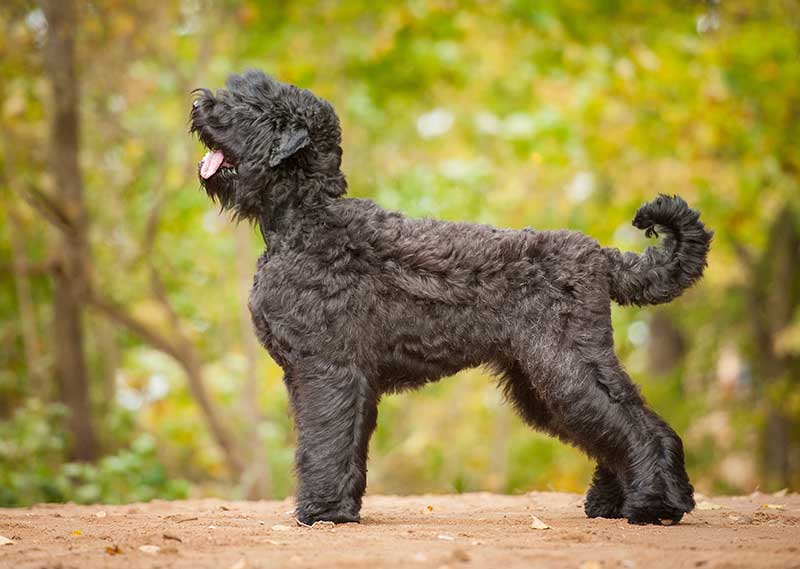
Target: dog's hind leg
(597, 408)
(606, 494)
(335, 410)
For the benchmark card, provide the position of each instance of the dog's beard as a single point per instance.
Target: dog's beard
(218, 176)
(220, 185)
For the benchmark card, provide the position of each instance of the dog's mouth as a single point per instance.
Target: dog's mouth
(214, 161)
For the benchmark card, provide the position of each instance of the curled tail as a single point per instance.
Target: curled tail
(660, 274)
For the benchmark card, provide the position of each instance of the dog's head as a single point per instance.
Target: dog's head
(263, 137)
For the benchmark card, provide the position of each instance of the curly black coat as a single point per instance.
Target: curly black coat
(354, 301)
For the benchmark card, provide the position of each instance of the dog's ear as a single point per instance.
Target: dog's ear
(290, 141)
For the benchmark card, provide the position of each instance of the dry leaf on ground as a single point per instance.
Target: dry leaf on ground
(706, 505)
(536, 523)
(321, 524)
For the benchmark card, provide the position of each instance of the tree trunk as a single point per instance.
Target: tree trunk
(666, 345)
(69, 278)
(774, 298)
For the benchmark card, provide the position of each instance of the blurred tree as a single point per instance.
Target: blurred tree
(773, 299)
(61, 23)
(69, 276)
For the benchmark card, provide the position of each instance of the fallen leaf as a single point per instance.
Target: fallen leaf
(149, 549)
(445, 537)
(280, 527)
(536, 523)
(321, 524)
(77, 532)
(775, 506)
(706, 505)
(113, 549)
(172, 537)
(226, 509)
(429, 508)
(241, 564)
(100, 514)
(5, 541)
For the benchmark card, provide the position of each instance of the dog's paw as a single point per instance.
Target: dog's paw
(597, 506)
(307, 515)
(606, 496)
(657, 510)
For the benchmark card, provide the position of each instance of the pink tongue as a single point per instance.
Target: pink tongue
(211, 163)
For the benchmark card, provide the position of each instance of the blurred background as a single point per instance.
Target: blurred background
(128, 366)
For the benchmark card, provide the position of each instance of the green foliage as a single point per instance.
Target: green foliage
(32, 466)
(32, 445)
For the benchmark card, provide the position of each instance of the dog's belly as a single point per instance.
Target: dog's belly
(422, 343)
(411, 363)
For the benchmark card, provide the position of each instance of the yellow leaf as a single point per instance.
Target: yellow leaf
(113, 550)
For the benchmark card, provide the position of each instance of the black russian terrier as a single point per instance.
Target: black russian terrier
(354, 301)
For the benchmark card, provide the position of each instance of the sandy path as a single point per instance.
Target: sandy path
(472, 530)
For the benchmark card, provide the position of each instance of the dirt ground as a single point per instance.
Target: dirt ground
(455, 532)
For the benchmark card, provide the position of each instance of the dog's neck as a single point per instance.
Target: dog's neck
(297, 201)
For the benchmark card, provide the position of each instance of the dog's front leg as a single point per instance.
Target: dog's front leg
(335, 410)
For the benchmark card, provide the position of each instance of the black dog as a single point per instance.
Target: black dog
(354, 301)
